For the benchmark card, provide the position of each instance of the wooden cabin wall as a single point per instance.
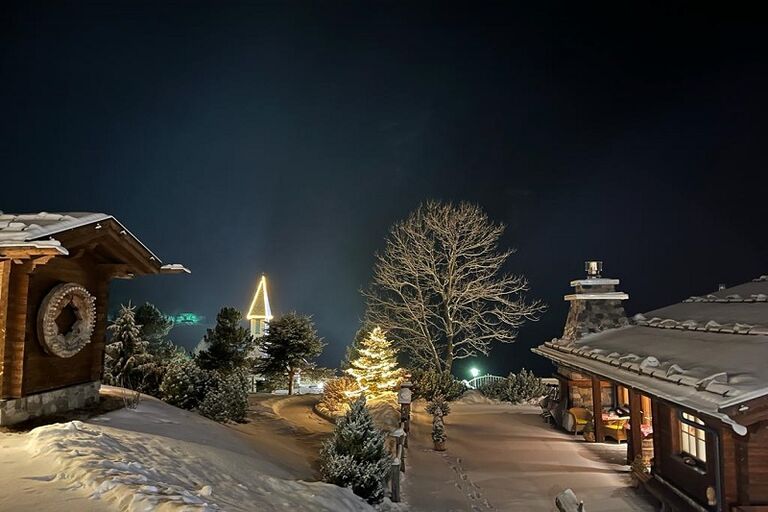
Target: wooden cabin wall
(730, 468)
(757, 464)
(667, 460)
(43, 372)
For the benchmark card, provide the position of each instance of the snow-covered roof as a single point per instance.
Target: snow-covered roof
(707, 355)
(38, 229)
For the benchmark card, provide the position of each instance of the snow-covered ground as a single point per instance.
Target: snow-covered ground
(157, 457)
(503, 457)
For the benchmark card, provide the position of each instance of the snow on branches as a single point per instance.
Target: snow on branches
(375, 367)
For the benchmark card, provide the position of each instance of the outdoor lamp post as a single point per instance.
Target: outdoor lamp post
(474, 372)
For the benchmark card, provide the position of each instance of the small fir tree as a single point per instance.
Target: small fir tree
(126, 360)
(428, 384)
(184, 383)
(227, 397)
(438, 404)
(288, 347)
(375, 369)
(355, 455)
(228, 345)
(438, 429)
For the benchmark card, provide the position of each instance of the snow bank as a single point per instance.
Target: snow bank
(161, 458)
(475, 397)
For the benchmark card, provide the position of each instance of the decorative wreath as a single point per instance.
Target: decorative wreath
(79, 335)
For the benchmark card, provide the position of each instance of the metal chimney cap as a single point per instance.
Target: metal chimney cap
(593, 268)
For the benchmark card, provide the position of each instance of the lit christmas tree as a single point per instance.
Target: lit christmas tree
(375, 367)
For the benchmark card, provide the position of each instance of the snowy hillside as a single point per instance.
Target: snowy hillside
(156, 457)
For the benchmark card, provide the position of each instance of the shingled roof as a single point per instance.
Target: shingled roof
(39, 229)
(708, 354)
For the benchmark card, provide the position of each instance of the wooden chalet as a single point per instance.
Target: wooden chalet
(687, 383)
(55, 270)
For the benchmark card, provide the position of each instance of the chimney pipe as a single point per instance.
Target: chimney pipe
(593, 269)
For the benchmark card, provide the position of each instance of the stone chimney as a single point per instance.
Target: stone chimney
(595, 304)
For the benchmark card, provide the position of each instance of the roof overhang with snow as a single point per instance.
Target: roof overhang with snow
(706, 354)
(59, 233)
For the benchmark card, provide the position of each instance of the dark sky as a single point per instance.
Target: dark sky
(285, 137)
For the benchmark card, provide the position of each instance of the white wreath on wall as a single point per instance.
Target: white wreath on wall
(79, 335)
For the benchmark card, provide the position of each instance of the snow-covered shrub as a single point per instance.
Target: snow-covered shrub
(438, 404)
(438, 429)
(428, 384)
(226, 398)
(338, 394)
(184, 383)
(355, 455)
(516, 388)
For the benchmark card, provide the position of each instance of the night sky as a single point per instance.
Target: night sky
(285, 137)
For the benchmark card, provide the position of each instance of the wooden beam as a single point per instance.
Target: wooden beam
(742, 469)
(635, 445)
(597, 410)
(100, 332)
(5, 272)
(16, 329)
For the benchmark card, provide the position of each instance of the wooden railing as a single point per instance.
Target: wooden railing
(399, 452)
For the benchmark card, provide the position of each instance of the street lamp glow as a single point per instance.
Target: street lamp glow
(474, 372)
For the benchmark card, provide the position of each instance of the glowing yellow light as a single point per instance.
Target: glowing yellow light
(474, 372)
(259, 309)
(375, 369)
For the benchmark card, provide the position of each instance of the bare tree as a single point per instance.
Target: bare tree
(439, 289)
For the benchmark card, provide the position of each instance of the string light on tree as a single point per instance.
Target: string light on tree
(375, 369)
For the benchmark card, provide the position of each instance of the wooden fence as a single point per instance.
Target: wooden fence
(399, 452)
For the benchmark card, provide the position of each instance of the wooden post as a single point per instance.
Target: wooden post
(15, 329)
(395, 477)
(5, 272)
(742, 468)
(597, 410)
(400, 438)
(635, 444)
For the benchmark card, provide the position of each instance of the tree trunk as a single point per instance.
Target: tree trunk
(291, 374)
(449, 355)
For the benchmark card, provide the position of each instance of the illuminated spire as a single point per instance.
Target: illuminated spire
(259, 313)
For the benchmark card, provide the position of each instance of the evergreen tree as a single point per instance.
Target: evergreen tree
(155, 327)
(355, 455)
(352, 351)
(227, 396)
(375, 368)
(228, 345)
(184, 383)
(126, 359)
(289, 347)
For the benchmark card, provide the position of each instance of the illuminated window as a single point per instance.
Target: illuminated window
(693, 441)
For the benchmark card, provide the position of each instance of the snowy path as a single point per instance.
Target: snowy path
(505, 458)
(285, 429)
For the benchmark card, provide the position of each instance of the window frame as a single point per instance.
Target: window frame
(693, 440)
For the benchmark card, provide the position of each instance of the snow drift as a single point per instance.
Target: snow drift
(158, 457)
